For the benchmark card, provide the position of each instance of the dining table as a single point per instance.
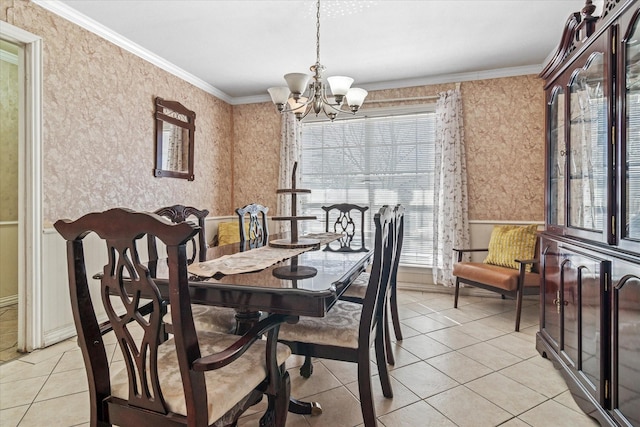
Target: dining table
(306, 284)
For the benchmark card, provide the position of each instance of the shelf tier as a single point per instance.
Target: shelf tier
(300, 243)
(293, 218)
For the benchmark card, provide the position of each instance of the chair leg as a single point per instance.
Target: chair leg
(394, 313)
(518, 308)
(307, 367)
(383, 372)
(387, 340)
(164, 334)
(364, 389)
(457, 292)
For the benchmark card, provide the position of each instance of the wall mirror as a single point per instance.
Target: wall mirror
(175, 128)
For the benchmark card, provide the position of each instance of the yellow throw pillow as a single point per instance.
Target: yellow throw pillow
(510, 242)
(228, 232)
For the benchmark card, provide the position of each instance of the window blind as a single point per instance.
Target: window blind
(374, 161)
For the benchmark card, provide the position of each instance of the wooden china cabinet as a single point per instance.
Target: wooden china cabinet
(590, 249)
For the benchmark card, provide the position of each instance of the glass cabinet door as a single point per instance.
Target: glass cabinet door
(588, 147)
(632, 133)
(557, 157)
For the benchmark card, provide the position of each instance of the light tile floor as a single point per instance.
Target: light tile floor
(9, 333)
(455, 367)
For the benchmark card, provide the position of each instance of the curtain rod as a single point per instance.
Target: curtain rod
(415, 98)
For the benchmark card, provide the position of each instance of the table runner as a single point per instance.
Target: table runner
(255, 259)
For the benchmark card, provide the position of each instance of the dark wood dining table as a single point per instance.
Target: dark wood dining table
(306, 285)
(271, 291)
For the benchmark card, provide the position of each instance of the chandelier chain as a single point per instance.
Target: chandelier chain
(318, 33)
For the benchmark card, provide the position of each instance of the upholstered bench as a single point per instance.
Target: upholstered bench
(511, 267)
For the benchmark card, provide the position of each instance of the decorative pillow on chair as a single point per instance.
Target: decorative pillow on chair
(510, 242)
(228, 232)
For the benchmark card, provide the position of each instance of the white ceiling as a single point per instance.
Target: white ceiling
(242, 47)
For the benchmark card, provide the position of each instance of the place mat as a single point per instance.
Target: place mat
(255, 259)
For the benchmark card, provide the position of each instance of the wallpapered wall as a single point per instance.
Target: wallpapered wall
(98, 126)
(99, 148)
(256, 139)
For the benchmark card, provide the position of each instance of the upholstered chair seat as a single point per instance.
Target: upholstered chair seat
(207, 318)
(358, 287)
(224, 387)
(338, 328)
(494, 275)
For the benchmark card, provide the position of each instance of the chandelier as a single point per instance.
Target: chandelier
(301, 96)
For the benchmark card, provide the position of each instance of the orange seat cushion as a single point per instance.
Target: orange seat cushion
(493, 275)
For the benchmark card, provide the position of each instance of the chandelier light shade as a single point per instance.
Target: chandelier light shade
(304, 93)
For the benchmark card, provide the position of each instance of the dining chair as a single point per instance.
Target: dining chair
(206, 318)
(180, 213)
(196, 378)
(349, 329)
(256, 233)
(356, 292)
(339, 218)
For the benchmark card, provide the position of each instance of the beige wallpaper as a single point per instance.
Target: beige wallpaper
(8, 141)
(256, 136)
(504, 132)
(99, 150)
(98, 126)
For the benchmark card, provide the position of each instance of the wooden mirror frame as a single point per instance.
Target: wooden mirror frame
(176, 114)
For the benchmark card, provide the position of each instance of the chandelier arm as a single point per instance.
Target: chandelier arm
(306, 113)
(290, 109)
(338, 110)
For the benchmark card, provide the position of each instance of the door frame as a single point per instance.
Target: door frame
(30, 331)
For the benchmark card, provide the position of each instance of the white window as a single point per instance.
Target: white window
(384, 158)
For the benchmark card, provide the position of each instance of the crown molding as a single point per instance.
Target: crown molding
(423, 81)
(455, 78)
(89, 24)
(70, 14)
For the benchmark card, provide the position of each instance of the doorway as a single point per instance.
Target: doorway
(28, 256)
(9, 112)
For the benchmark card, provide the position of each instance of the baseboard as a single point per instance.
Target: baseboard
(7, 301)
(449, 290)
(57, 335)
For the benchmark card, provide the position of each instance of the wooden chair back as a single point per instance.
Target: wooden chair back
(393, 282)
(385, 221)
(256, 233)
(343, 218)
(177, 214)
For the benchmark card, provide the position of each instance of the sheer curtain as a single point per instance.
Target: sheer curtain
(450, 209)
(290, 149)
